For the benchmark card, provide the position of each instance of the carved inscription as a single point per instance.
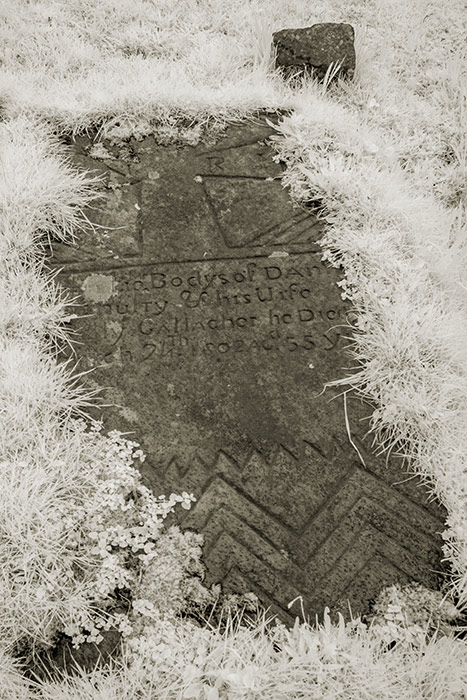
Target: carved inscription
(220, 309)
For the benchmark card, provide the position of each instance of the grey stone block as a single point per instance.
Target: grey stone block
(313, 49)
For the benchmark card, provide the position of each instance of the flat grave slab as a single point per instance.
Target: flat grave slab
(212, 326)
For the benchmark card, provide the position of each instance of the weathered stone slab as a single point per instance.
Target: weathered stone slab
(213, 337)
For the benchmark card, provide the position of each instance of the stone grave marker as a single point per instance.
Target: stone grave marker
(212, 326)
(313, 49)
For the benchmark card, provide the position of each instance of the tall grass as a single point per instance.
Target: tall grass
(386, 156)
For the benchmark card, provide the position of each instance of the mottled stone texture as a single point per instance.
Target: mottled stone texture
(214, 325)
(313, 49)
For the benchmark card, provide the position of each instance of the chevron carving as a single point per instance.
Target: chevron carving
(364, 535)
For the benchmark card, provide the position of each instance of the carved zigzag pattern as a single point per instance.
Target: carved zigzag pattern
(363, 536)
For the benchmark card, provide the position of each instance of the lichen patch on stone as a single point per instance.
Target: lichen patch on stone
(98, 288)
(129, 414)
(99, 152)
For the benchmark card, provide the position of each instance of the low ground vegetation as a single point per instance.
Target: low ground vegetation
(84, 546)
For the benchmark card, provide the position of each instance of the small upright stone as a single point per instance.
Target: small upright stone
(313, 49)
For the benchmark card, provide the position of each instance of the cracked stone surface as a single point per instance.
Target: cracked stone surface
(214, 325)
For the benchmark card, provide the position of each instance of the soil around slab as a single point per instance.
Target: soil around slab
(214, 326)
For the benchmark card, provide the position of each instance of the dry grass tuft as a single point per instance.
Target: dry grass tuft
(176, 660)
